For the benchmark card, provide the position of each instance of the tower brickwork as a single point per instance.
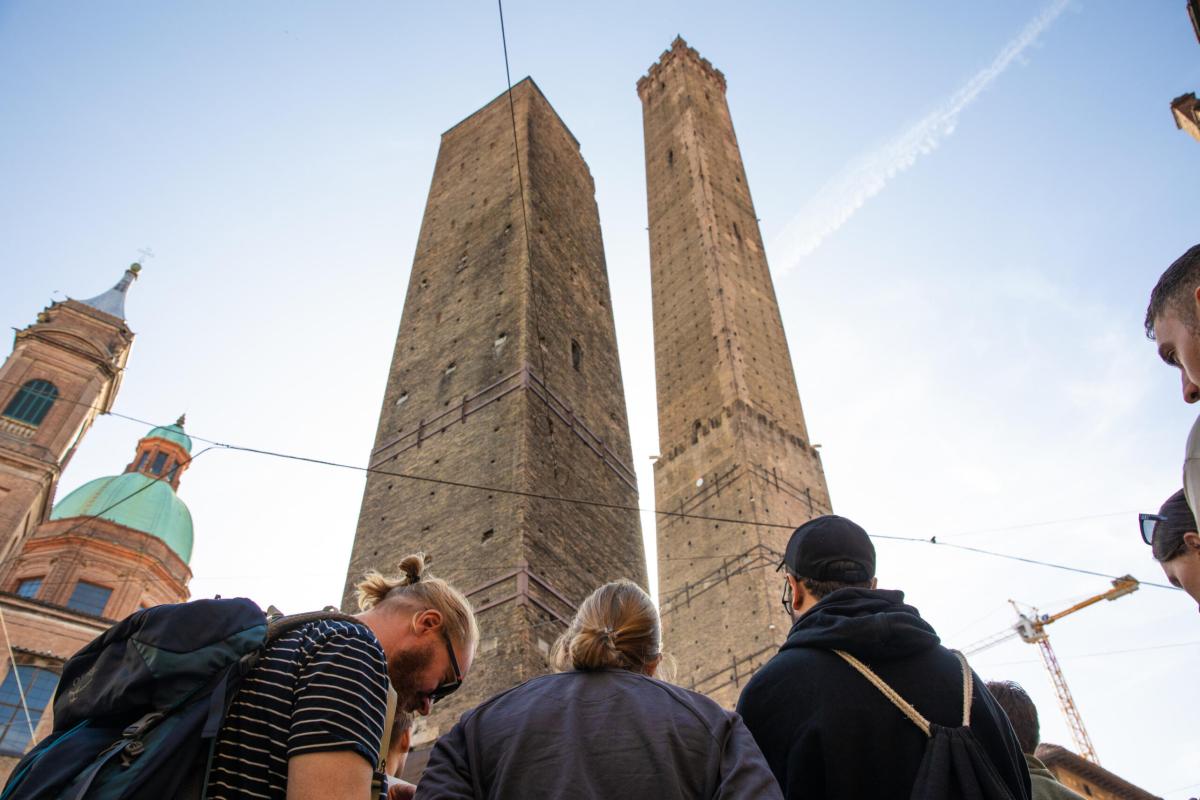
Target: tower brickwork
(733, 442)
(505, 374)
(64, 370)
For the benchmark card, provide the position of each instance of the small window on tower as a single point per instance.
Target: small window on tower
(29, 587)
(576, 355)
(160, 461)
(142, 460)
(32, 402)
(670, 158)
(89, 598)
(34, 693)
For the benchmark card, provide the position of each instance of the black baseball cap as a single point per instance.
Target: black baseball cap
(818, 545)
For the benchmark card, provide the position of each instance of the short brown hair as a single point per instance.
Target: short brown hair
(1021, 711)
(818, 589)
(1174, 288)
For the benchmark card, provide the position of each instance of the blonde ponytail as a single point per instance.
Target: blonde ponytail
(616, 627)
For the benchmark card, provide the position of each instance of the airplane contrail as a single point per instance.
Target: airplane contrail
(867, 176)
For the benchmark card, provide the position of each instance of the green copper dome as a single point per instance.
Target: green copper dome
(154, 509)
(172, 433)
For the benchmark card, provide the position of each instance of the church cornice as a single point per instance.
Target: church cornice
(71, 342)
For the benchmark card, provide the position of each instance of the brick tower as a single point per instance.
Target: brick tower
(731, 431)
(505, 374)
(64, 370)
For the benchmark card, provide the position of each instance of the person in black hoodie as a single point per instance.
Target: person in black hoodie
(824, 729)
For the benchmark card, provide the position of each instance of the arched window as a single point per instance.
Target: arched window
(38, 686)
(32, 402)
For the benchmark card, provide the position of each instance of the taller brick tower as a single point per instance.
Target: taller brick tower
(505, 374)
(732, 438)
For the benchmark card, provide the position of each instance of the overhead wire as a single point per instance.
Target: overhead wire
(1095, 655)
(1042, 524)
(533, 297)
(621, 507)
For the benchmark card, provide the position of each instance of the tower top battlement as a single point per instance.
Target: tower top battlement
(679, 52)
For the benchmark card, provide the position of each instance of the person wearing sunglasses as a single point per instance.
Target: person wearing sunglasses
(1171, 534)
(1173, 322)
(602, 726)
(308, 720)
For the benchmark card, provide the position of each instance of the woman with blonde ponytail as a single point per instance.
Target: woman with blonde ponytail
(602, 726)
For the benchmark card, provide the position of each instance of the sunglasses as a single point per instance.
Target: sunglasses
(450, 687)
(1148, 523)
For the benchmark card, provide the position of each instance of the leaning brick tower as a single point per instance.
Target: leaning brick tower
(505, 374)
(732, 438)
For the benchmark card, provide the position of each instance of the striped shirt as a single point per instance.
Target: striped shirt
(320, 687)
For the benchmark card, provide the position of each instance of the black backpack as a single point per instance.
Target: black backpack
(955, 766)
(137, 710)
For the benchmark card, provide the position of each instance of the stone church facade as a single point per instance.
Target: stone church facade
(116, 544)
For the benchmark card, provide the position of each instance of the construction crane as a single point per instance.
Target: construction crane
(1032, 629)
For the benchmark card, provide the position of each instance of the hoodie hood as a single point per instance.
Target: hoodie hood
(870, 624)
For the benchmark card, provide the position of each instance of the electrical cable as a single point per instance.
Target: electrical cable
(12, 660)
(533, 304)
(621, 507)
(1028, 525)
(1095, 655)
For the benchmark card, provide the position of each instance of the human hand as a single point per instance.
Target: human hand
(400, 790)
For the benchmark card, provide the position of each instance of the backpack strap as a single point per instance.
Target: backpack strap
(968, 688)
(904, 705)
(278, 626)
(887, 691)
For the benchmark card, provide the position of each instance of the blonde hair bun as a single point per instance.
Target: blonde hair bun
(616, 627)
(416, 588)
(412, 567)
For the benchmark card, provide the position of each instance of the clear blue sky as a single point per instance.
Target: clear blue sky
(967, 342)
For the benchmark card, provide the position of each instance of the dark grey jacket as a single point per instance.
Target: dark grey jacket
(609, 734)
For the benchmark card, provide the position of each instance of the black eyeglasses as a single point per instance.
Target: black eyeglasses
(787, 596)
(1147, 523)
(446, 689)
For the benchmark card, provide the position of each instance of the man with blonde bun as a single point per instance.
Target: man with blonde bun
(308, 720)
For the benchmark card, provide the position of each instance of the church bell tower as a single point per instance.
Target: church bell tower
(64, 370)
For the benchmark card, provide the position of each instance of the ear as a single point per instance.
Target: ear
(652, 666)
(799, 594)
(1196, 296)
(1191, 538)
(427, 621)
